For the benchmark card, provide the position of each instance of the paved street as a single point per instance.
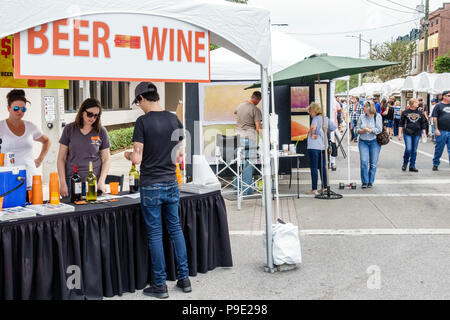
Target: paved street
(397, 232)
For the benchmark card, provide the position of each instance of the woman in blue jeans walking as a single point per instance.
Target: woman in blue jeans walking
(370, 124)
(412, 124)
(316, 146)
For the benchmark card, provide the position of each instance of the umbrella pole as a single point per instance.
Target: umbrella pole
(328, 195)
(348, 135)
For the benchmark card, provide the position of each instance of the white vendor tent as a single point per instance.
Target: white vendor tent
(286, 51)
(392, 87)
(441, 83)
(242, 29)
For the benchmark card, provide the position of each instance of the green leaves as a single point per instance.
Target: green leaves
(395, 51)
(121, 138)
(442, 64)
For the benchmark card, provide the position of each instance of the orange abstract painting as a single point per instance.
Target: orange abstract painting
(299, 128)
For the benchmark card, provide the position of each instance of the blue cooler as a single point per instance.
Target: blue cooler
(10, 179)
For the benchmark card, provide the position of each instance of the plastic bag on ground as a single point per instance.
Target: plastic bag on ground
(286, 244)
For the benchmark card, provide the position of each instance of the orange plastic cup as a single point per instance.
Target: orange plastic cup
(114, 188)
(54, 188)
(2, 159)
(1, 203)
(36, 191)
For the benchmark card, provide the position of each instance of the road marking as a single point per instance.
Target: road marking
(421, 152)
(355, 232)
(382, 182)
(390, 195)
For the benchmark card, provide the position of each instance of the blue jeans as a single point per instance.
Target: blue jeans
(157, 201)
(247, 171)
(354, 130)
(411, 144)
(369, 152)
(317, 162)
(396, 126)
(441, 142)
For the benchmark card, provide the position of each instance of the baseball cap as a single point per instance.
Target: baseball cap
(142, 88)
(446, 92)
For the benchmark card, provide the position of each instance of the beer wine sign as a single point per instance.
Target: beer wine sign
(114, 47)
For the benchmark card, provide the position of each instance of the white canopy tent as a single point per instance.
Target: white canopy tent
(412, 82)
(441, 83)
(286, 51)
(242, 29)
(392, 87)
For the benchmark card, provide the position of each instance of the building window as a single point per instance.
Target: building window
(112, 95)
(437, 21)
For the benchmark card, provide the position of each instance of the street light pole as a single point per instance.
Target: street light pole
(360, 52)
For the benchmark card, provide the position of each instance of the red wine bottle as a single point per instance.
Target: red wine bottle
(75, 186)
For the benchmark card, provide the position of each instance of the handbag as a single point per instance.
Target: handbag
(382, 138)
(332, 149)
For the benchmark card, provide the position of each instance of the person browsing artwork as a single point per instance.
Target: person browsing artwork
(248, 127)
(157, 145)
(81, 142)
(18, 135)
(316, 146)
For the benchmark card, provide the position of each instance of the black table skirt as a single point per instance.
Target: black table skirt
(109, 244)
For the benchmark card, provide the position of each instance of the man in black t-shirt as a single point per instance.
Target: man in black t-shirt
(157, 136)
(441, 120)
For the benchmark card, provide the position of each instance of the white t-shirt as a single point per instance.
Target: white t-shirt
(22, 146)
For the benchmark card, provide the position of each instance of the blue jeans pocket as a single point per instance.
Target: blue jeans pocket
(151, 197)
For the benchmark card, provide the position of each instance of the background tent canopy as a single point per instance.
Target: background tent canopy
(242, 29)
(286, 51)
(392, 87)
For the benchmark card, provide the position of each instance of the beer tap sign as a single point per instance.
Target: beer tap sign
(114, 47)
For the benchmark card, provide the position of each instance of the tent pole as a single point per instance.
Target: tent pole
(274, 137)
(267, 173)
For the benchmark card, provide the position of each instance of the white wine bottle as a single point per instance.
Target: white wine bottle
(91, 184)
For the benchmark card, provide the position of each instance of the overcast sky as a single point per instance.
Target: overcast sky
(335, 16)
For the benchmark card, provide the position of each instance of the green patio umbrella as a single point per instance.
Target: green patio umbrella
(325, 67)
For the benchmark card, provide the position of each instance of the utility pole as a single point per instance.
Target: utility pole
(425, 27)
(361, 40)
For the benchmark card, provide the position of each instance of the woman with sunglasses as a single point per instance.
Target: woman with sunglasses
(18, 135)
(84, 141)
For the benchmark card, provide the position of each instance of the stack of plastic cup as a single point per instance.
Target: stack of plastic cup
(54, 188)
(36, 193)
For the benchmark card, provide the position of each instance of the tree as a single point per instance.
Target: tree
(213, 46)
(442, 64)
(396, 51)
(341, 85)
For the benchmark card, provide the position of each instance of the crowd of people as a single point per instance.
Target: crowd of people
(367, 119)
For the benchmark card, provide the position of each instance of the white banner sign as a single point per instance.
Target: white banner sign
(114, 47)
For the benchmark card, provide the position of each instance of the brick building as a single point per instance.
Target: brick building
(439, 36)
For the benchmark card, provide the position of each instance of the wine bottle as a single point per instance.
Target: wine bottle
(134, 179)
(75, 186)
(91, 182)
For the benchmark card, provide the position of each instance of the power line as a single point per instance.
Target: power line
(353, 31)
(401, 5)
(386, 7)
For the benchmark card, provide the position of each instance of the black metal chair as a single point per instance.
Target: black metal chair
(119, 179)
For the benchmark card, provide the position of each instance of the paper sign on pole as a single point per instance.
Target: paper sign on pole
(114, 47)
(7, 79)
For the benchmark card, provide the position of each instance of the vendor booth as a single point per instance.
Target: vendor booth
(150, 40)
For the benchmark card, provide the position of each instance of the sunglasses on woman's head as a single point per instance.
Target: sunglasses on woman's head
(92, 115)
(16, 109)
